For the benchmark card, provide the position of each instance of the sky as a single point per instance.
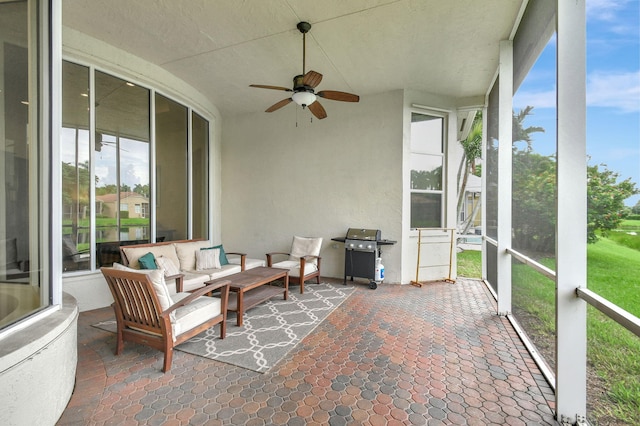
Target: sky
(613, 90)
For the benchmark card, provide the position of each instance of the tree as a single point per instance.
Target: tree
(605, 200)
(521, 133)
(636, 209)
(472, 147)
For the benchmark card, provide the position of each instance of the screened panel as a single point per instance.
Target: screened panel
(613, 255)
(491, 162)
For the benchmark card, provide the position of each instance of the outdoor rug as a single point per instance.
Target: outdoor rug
(270, 330)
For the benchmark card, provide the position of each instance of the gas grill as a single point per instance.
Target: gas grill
(362, 247)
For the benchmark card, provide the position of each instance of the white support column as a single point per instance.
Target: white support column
(504, 176)
(571, 232)
(483, 206)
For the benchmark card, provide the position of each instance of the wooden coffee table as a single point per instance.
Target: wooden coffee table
(251, 289)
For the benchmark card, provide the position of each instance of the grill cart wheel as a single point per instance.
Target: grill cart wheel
(373, 285)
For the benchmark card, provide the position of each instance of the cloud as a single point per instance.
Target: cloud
(619, 90)
(604, 10)
(541, 99)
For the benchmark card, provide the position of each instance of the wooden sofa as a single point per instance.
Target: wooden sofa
(182, 254)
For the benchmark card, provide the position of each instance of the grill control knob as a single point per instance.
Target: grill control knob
(359, 245)
(369, 247)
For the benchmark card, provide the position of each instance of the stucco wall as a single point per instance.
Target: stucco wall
(38, 366)
(315, 179)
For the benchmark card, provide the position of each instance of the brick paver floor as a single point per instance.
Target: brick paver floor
(397, 355)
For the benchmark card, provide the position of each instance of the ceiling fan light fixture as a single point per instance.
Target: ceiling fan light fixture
(303, 98)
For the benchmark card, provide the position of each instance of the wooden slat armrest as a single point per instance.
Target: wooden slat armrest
(222, 285)
(179, 281)
(308, 257)
(243, 258)
(270, 261)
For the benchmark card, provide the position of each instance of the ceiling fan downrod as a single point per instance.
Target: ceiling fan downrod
(304, 28)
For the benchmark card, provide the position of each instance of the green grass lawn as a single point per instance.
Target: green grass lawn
(469, 264)
(613, 271)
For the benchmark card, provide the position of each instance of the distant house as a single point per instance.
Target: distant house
(136, 205)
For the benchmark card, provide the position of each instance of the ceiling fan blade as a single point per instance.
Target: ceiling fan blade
(262, 86)
(318, 110)
(278, 105)
(338, 96)
(312, 79)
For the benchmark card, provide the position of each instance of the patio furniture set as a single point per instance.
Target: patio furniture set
(150, 312)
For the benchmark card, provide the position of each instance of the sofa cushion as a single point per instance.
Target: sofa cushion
(148, 261)
(193, 280)
(134, 253)
(224, 271)
(294, 267)
(223, 255)
(195, 313)
(302, 246)
(207, 259)
(186, 253)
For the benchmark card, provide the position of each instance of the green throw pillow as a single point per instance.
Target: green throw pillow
(223, 255)
(148, 261)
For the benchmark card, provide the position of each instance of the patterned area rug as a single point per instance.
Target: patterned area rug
(270, 330)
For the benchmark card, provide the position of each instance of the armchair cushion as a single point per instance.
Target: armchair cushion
(193, 314)
(187, 253)
(302, 246)
(159, 285)
(207, 259)
(294, 267)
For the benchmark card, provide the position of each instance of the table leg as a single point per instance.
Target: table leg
(240, 307)
(286, 286)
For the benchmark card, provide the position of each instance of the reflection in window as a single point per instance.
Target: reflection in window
(117, 162)
(200, 162)
(122, 165)
(171, 160)
(21, 293)
(75, 156)
(426, 170)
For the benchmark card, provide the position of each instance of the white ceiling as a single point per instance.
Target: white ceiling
(445, 47)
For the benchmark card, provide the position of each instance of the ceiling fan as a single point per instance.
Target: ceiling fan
(304, 85)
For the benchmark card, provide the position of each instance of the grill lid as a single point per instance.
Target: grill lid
(363, 234)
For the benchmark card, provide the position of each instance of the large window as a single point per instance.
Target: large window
(171, 165)
(200, 144)
(427, 159)
(110, 170)
(23, 288)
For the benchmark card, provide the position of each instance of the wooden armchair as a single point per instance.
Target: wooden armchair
(147, 314)
(304, 260)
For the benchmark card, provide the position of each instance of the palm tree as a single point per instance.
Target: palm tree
(472, 146)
